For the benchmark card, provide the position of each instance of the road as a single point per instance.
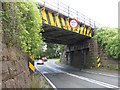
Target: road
(70, 77)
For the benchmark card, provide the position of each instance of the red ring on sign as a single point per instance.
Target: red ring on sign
(76, 22)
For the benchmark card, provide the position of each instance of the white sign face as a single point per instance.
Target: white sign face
(73, 23)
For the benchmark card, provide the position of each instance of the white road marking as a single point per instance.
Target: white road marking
(101, 74)
(87, 79)
(93, 81)
(44, 72)
(56, 70)
(48, 80)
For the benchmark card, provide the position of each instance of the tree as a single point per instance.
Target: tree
(53, 50)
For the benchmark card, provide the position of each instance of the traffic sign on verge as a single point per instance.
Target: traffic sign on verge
(31, 64)
(98, 62)
(73, 23)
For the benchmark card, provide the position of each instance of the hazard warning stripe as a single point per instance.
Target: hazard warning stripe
(31, 67)
(31, 64)
(98, 65)
(44, 16)
(59, 21)
(98, 62)
(98, 59)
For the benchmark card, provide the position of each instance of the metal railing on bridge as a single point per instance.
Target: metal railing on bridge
(69, 12)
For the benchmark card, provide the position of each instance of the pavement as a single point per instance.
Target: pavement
(69, 77)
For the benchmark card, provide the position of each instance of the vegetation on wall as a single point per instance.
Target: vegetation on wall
(108, 39)
(22, 25)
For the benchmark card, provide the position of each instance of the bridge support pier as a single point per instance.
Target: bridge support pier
(81, 55)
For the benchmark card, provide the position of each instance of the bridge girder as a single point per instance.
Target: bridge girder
(60, 36)
(55, 31)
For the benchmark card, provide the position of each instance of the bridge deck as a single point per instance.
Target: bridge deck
(57, 29)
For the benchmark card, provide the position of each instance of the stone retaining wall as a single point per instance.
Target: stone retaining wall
(15, 72)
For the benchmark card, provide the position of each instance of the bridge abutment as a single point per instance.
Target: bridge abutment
(81, 55)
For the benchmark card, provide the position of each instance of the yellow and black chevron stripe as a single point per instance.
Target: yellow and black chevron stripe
(98, 62)
(50, 18)
(31, 64)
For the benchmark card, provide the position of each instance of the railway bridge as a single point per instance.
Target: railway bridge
(64, 25)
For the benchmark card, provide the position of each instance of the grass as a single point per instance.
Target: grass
(38, 81)
(112, 68)
(36, 60)
(35, 83)
(46, 82)
(51, 58)
(60, 62)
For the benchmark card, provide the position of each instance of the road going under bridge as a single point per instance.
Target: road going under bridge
(80, 50)
(56, 18)
(55, 22)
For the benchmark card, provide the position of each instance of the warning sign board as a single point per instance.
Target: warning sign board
(73, 23)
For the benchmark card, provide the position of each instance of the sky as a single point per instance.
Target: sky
(104, 12)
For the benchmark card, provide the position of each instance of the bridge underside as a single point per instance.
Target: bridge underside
(61, 36)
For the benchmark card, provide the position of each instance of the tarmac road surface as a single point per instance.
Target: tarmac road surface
(70, 77)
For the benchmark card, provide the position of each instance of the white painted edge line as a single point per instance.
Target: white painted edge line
(48, 80)
(94, 81)
(101, 74)
(87, 79)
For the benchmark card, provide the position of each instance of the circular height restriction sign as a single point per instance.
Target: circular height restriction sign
(73, 23)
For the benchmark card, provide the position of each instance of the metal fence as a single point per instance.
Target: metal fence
(69, 12)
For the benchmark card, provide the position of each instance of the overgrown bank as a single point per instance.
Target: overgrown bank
(108, 40)
(21, 27)
(109, 50)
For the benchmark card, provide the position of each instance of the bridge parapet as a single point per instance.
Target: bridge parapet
(69, 12)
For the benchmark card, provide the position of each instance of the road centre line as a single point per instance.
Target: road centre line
(87, 79)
